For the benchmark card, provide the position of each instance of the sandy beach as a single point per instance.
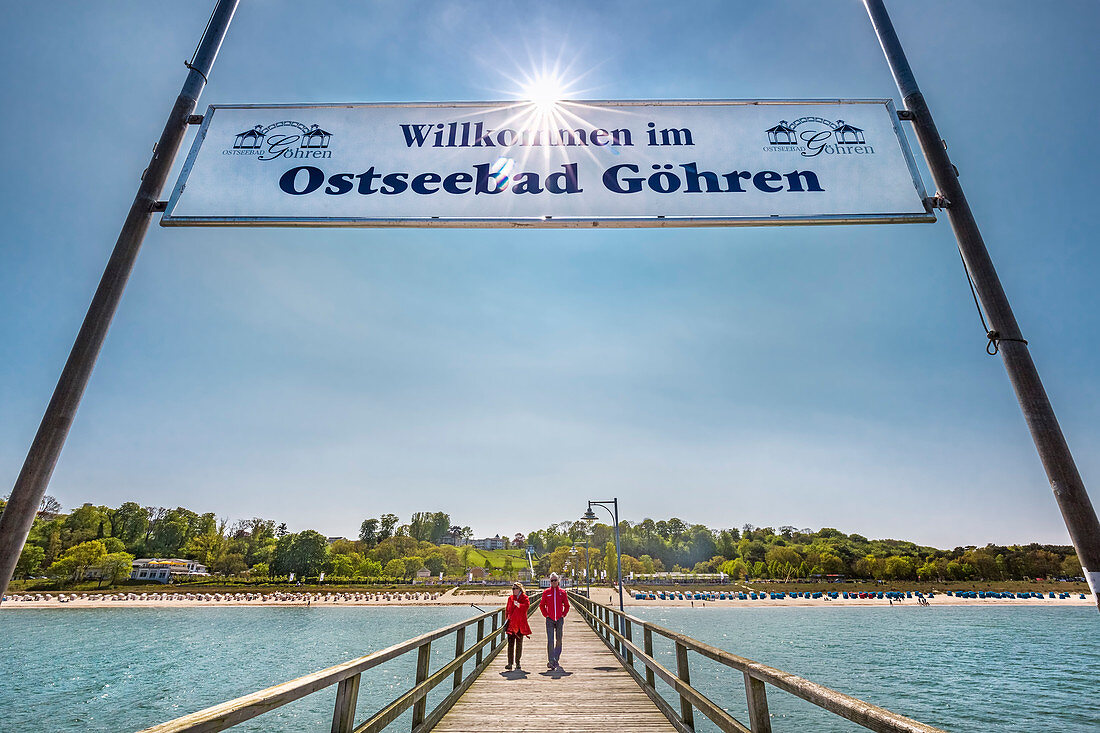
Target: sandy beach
(487, 600)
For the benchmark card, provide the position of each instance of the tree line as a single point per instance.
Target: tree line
(788, 553)
(67, 545)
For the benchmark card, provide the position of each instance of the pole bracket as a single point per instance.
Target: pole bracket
(905, 114)
(194, 119)
(158, 206)
(937, 202)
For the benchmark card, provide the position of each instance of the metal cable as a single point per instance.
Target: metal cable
(992, 348)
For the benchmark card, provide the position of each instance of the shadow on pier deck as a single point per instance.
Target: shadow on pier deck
(608, 683)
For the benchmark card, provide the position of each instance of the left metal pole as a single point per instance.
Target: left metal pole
(30, 486)
(619, 560)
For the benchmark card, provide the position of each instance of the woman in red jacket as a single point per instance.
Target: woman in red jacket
(515, 623)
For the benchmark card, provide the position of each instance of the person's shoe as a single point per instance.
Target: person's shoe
(549, 665)
(507, 668)
(518, 668)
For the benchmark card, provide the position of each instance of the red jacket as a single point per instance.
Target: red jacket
(515, 615)
(554, 603)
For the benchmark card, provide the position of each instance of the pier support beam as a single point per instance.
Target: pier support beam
(1004, 333)
(30, 486)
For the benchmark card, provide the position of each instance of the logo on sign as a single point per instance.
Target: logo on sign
(812, 136)
(284, 139)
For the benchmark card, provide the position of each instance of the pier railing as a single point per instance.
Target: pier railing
(620, 632)
(479, 639)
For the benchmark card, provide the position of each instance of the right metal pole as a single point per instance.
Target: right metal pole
(1065, 480)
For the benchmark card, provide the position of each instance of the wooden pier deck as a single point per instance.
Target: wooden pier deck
(591, 692)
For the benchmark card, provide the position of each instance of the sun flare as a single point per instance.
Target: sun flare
(545, 91)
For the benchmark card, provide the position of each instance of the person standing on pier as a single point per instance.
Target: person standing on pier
(554, 606)
(515, 624)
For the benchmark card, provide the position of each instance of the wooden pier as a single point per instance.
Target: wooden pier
(591, 692)
(607, 682)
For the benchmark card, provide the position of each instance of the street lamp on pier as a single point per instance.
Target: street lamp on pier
(590, 516)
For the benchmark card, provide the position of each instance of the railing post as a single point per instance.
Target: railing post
(626, 633)
(460, 646)
(686, 713)
(495, 641)
(423, 658)
(757, 696)
(347, 693)
(647, 640)
(480, 636)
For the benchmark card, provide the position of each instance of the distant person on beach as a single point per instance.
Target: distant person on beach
(554, 605)
(515, 624)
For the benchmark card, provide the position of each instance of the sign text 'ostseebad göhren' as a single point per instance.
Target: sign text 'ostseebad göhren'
(568, 164)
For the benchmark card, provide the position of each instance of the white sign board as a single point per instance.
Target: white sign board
(637, 163)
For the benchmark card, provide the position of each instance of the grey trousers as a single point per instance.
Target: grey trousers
(553, 639)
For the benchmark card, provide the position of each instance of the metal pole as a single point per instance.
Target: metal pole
(18, 516)
(619, 559)
(587, 566)
(1065, 480)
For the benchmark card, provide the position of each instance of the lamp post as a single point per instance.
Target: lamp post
(587, 564)
(590, 516)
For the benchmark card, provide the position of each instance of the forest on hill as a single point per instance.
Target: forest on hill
(64, 546)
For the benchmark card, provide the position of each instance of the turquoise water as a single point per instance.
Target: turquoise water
(961, 669)
(1012, 669)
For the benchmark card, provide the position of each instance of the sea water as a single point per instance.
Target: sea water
(962, 668)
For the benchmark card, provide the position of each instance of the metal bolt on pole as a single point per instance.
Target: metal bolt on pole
(34, 478)
(1065, 480)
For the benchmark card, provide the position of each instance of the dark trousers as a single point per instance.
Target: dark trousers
(553, 639)
(515, 648)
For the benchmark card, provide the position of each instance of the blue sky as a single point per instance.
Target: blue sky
(827, 376)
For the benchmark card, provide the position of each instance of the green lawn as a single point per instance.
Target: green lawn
(496, 558)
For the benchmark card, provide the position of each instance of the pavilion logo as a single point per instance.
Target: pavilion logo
(813, 136)
(284, 139)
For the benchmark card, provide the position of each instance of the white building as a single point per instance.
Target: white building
(163, 570)
(489, 543)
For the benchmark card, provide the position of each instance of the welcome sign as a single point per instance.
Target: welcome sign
(632, 163)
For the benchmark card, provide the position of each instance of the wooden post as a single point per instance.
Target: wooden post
(647, 637)
(626, 633)
(460, 646)
(686, 714)
(757, 696)
(347, 693)
(423, 658)
(480, 636)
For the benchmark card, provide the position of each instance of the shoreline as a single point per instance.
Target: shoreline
(37, 601)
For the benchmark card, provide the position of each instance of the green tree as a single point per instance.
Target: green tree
(371, 568)
(261, 570)
(343, 566)
(77, 559)
(84, 523)
(116, 566)
(387, 523)
(309, 552)
(435, 563)
(395, 569)
(368, 532)
(30, 560)
(128, 523)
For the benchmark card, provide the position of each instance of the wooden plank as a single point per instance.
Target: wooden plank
(592, 692)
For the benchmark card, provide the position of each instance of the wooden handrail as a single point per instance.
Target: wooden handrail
(862, 713)
(227, 714)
